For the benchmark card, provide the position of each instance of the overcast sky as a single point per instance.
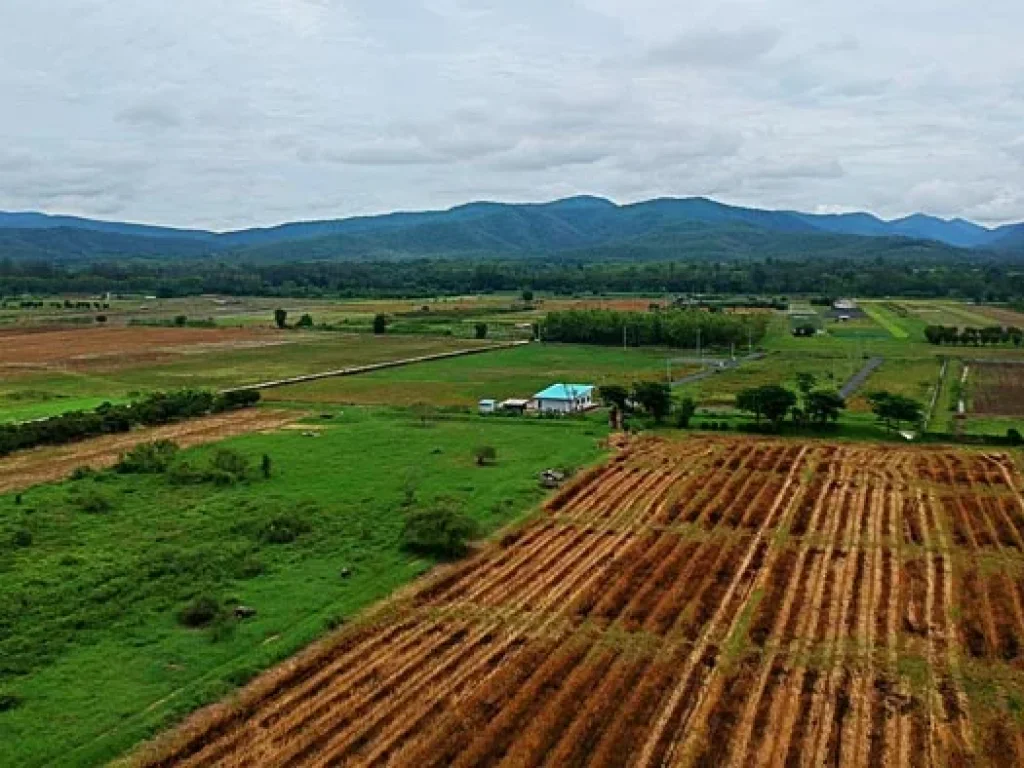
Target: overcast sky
(231, 113)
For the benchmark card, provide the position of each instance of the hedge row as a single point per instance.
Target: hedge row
(157, 408)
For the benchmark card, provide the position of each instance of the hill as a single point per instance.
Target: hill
(575, 227)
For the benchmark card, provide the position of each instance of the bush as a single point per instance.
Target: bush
(92, 501)
(199, 612)
(148, 458)
(231, 463)
(1014, 437)
(22, 538)
(9, 701)
(83, 473)
(485, 454)
(442, 531)
(283, 529)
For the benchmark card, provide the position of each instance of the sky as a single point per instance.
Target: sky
(225, 114)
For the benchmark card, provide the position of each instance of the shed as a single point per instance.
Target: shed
(487, 406)
(565, 398)
(514, 404)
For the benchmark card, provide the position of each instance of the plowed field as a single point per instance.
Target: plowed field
(707, 602)
(998, 389)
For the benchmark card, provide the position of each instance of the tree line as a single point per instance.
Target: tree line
(995, 334)
(985, 282)
(684, 328)
(150, 410)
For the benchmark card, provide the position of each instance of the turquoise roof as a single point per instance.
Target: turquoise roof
(564, 392)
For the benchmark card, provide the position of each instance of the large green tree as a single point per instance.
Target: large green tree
(893, 410)
(655, 397)
(770, 402)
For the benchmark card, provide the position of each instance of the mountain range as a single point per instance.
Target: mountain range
(578, 227)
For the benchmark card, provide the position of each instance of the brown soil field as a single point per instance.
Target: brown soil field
(997, 389)
(86, 348)
(1001, 315)
(50, 464)
(708, 602)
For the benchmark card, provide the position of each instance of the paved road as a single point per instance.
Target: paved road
(708, 372)
(860, 377)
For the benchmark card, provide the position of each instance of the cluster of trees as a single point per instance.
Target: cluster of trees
(153, 409)
(673, 328)
(950, 334)
(894, 410)
(810, 405)
(917, 277)
(652, 397)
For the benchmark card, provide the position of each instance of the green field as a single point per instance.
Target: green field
(89, 642)
(519, 372)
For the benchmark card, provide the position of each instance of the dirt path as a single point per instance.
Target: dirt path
(45, 465)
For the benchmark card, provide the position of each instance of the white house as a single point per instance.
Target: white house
(565, 398)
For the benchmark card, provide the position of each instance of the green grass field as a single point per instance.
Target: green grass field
(88, 637)
(519, 372)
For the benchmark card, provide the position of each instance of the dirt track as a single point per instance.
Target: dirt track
(44, 465)
(707, 602)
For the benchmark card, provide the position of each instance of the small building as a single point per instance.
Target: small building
(487, 406)
(514, 404)
(565, 398)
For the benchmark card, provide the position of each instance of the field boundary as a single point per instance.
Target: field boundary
(358, 369)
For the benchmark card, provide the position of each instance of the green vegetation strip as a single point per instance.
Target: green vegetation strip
(885, 319)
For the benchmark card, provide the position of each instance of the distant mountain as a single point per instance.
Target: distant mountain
(693, 227)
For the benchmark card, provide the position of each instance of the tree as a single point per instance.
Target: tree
(181, 320)
(281, 317)
(823, 406)
(306, 321)
(485, 454)
(684, 412)
(527, 295)
(440, 531)
(805, 383)
(614, 395)
(480, 329)
(892, 409)
(380, 324)
(655, 397)
(265, 466)
(769, 401)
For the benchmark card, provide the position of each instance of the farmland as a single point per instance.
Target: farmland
(51, 371)
(997, 389)
(707, 602)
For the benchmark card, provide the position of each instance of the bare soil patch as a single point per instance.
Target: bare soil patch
(998, 389)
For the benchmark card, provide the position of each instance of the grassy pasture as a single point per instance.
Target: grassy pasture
(88, 636)
(518, 372)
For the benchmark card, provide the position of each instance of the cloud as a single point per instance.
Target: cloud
(149, 116)
(226, 115)
(716, 48)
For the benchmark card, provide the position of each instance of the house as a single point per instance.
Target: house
(565, 398)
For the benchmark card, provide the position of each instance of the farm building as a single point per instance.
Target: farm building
(565, 398)
(487, 406)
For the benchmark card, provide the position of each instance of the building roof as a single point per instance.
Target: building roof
(564, 392)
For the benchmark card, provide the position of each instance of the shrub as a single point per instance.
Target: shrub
(250, 567)
(442, 531)
(199, 612)
(266, 463)
(9, 701)
(92, 501)
(22, 538)
(82, 473)
(223, 628)
(1014, 437)
(485, 454)
(148, 458)
(283, 529)
(230, 463)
